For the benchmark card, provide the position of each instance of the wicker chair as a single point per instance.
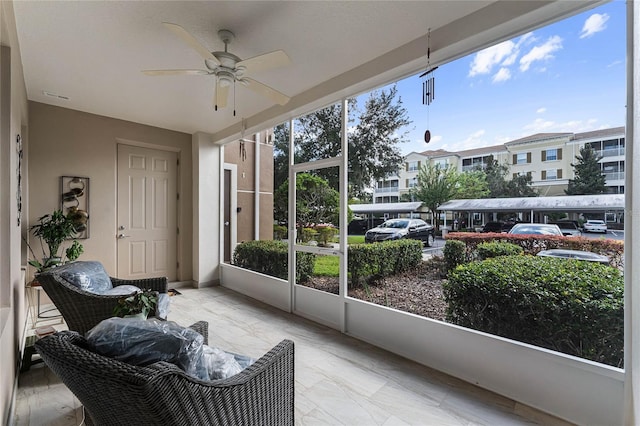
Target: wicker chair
(115, 393)
(81, 309)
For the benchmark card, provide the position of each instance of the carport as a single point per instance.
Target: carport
(601, 203)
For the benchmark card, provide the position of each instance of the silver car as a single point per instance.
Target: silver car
(535, 229)
(395, 229)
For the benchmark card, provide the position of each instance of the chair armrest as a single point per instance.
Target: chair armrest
(160, 284)
(202, 327)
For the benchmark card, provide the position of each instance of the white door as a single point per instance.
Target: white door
(147, 224)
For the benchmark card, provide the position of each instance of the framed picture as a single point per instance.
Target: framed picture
(74, 202)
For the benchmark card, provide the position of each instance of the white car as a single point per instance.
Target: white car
(595, 226)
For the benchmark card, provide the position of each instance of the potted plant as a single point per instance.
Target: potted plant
(52, 230)
(140, 305)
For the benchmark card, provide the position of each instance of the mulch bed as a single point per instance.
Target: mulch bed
(418, 292)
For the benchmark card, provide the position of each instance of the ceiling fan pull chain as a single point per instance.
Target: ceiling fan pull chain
(234, 96)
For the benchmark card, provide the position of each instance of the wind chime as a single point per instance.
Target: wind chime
(428, 86)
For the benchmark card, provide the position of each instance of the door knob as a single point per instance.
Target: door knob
(226, 223)
(121, 236)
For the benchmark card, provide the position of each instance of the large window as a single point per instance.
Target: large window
(552, 154)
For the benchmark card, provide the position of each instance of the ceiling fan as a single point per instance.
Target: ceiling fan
(229, 69)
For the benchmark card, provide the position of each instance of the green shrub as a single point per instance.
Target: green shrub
(454, 254)
(280, 232)
(272, 258)
(325, 234)
(532, 244)
(497, 248)
(372, 262)
(307, 234)
(571, 306)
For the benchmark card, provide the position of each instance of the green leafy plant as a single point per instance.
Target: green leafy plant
(566, 305)
(143, 302)
(52, 230)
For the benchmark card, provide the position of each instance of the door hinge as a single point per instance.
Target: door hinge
(177, 265)
(178, 231)
(178, 161)
(178, 196)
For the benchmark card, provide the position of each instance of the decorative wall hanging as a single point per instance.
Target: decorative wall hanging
(74, 201)
(19, 177)
(428, 86)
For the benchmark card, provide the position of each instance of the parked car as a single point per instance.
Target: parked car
(595, 226)
(568, 228)
(535, 228)
(498, 226)
(575, 254)
(395, 229)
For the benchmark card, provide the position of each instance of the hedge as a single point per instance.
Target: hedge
(570, 306)
(496, 248)
(532, 244)
(371, 262)
(272, 258)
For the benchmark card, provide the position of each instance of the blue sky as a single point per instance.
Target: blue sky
(566, 77)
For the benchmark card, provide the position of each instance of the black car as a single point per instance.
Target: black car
(395, 229)
(498, 226)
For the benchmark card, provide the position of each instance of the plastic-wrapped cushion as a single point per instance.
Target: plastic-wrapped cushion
(162, 308)
(122, 290)
(143, 342)
(86, 275)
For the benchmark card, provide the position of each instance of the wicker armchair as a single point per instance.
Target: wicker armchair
(115, 393)
(81, 309)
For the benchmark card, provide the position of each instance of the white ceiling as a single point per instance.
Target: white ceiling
(93, 52)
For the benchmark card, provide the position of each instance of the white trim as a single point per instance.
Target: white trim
(233, 205)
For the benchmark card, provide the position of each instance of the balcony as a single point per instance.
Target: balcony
(339, 379)
(610, 176)
(611, 152)
(387, 189)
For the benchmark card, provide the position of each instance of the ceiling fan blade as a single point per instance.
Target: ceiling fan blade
(265, 90)
(175, 72)
(267, 61)
(221, 96)
(191, 41)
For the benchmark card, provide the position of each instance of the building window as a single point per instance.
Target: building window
(440, 164)
(413, 166)
(552, 154)
(522, 158)
(552, 174)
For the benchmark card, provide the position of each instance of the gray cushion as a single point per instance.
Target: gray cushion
(87, 275)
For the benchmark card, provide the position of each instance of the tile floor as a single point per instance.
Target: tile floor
(339, 380)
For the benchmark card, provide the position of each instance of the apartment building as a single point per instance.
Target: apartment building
(546, 157)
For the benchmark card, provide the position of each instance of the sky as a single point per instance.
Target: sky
(566, 77)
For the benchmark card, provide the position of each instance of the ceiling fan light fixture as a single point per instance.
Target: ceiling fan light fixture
(225, 79)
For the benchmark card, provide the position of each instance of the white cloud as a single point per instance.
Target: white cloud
(614, 63)
(541, 110)
(594, 24)
(572, 126)
(541, 52)
(502, 75)
(484, 61)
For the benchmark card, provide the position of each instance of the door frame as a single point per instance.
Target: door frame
(233, 205)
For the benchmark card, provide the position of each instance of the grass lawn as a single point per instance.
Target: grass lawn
(327, 266)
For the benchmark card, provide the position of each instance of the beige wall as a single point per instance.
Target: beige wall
(13, 122)
(246, 188)
(65, 142)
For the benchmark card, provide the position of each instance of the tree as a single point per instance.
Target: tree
(316, 201)
(373, 141)
(471, 185)
(500, 187)
(436, 185)
(588, 176)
